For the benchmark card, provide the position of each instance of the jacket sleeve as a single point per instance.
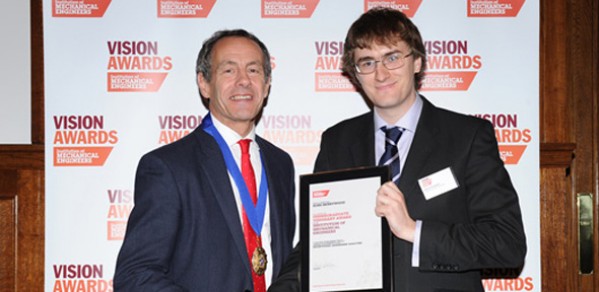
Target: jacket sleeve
(494, 235)
(289, 277)
(142, 263)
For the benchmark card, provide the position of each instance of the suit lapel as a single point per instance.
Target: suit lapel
(362, 150)
(421, 148)
(212, 162)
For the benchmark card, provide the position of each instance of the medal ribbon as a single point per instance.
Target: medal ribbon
(255, 213)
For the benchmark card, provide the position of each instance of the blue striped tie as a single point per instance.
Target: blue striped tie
(391, 156)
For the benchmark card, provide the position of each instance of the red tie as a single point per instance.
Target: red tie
(252, 241)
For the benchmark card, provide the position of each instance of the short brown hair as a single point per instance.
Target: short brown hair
(383, 26)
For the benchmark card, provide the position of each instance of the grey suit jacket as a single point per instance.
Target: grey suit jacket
(184, 233)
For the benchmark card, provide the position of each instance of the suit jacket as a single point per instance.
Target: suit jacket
(478, 225)
(185, 234)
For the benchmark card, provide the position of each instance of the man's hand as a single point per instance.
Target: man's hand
(390, 203)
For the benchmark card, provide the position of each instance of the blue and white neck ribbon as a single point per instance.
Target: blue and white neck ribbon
(255, 213)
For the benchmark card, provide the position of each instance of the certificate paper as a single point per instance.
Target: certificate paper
(345, 246)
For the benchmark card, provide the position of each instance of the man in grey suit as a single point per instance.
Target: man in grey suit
(201, 221)
(451, 205)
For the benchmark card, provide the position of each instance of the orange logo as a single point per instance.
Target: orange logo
(331, 82)
(426, 182)
(116, 230)
(511, 154)
(136, 66)
(82, 130)
(494, 8)
(184, 8)
(408, 7)
(79, 8)
(81, 156)
(288, 8)
(320, 194)
(450, 65)
(328, 76)
(512, 140)
(448, 81)
(135, 81)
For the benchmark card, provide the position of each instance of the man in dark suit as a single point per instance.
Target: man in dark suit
(451, 205)
(201, 221)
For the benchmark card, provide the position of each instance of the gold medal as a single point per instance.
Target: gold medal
(259, 261)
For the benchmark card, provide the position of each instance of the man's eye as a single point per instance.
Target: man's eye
(226, 70)
(393, 58)
(366, 64)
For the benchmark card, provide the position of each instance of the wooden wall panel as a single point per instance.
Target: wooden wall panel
(22, 205)
(30, 243)
(7, 240)
(568, 116)
(21, 218)
(558, 266)
(554, 62)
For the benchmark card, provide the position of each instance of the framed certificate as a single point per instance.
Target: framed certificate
(344, 245)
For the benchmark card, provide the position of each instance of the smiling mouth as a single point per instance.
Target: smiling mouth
(241, 97)
(384, 87)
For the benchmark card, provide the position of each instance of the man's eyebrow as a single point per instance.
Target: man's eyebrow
(226, 62)
(230, 62)
(385, 55)
(255, 62)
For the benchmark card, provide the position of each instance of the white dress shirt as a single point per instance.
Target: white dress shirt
(408, 122)
(232, 138)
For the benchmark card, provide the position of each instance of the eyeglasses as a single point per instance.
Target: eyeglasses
(391, 61)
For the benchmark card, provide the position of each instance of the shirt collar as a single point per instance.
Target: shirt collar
(408, 122)
(231, 137)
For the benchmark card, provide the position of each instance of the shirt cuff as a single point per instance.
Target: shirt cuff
(416, 245)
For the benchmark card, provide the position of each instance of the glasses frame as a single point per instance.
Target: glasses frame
(402, 58)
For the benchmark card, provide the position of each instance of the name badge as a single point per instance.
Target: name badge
(438, 183)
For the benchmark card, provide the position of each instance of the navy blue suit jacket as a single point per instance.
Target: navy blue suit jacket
(184, 232)
(476, 226)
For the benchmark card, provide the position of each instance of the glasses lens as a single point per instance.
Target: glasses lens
(366, 66)
(393, 61)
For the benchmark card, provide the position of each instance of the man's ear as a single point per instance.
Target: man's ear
(203, 85)
(418, 65)
(268, 87)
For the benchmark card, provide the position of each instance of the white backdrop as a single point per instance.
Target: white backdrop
(120, 81)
